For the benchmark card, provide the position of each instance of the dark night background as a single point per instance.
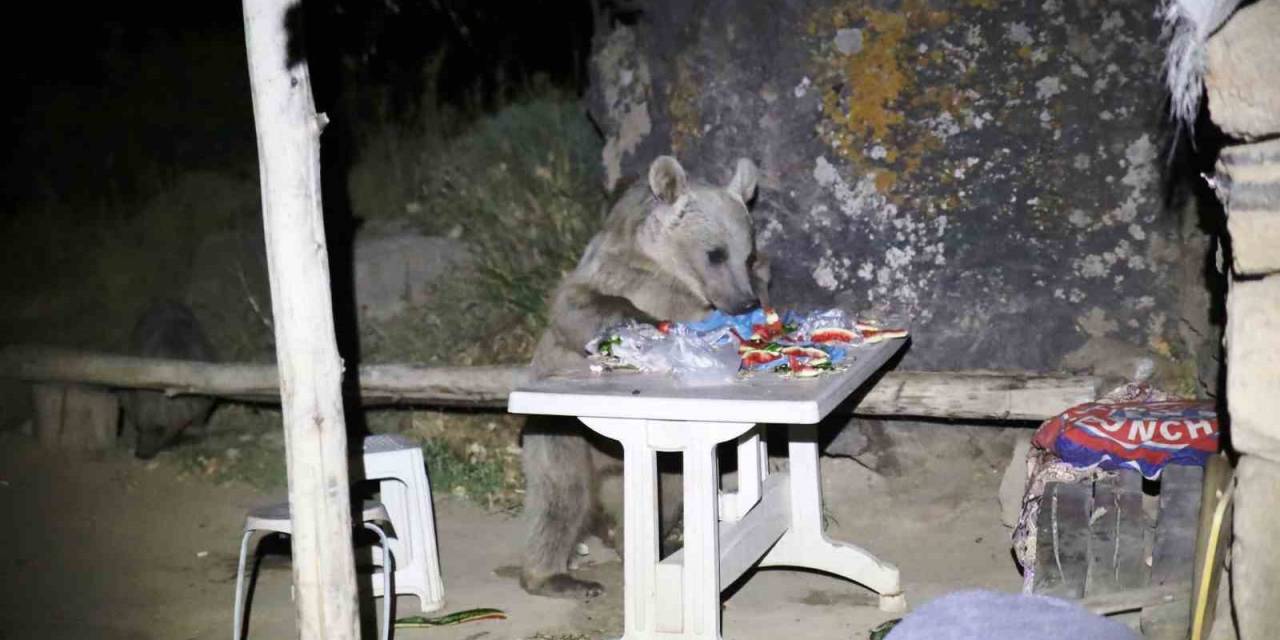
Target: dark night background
(116, 85)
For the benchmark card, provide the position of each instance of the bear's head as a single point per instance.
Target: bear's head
(702, 235)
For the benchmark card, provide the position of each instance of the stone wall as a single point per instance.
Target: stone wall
(1243, 82)
(991, 170)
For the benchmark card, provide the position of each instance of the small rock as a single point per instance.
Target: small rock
(849, 41)
(1014, 482)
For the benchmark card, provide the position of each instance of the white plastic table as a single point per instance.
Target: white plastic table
(771, 520)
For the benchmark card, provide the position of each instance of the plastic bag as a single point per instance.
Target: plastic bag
(694, 357)
(696, 361)
(631, 346)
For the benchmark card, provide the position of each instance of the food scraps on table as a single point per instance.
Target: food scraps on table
(801, 345)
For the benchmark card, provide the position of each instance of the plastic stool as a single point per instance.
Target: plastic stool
(275, 518)
(396, 463)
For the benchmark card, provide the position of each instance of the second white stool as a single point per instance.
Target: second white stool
(396, 463)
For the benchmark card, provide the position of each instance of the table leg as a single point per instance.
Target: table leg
(701, 568)
(752, 461)
(640, 523)
(671, 599)
(806, 545)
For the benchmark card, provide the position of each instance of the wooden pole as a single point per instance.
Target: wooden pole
(315, 432)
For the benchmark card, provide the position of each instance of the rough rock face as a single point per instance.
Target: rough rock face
(990, 170)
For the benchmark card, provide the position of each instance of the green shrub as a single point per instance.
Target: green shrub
(521, 188)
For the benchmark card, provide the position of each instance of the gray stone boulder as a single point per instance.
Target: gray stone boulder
(991, 171)
(395, 267)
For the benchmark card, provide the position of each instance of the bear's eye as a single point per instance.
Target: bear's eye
(717, 256)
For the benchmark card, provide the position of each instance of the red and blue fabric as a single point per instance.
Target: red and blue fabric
(1144, 436)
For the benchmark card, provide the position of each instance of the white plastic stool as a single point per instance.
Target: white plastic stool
(275, 518)
(396, 462)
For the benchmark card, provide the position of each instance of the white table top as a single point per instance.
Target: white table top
(763, 397)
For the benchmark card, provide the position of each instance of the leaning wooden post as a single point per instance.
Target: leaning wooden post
(306, 349)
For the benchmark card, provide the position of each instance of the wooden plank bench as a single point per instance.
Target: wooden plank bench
(1093, 541)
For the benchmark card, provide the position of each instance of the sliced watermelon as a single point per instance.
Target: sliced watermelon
(745, 345)
(833, 334)
(796, 368)
(811, 353)
(771, 328)
(757, 357)
(872, 336)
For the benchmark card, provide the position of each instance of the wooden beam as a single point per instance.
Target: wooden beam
(984, 395)
(1062, 539)
(1135, 599)
(310, 380)
(981, 395)
(1174, 550)
(380, 384)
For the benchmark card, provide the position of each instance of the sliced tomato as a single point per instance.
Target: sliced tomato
(755, 357)
(833, 334)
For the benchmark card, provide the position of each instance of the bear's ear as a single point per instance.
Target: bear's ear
(667, 179)
(743, 183)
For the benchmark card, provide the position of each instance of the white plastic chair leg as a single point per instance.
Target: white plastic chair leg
(388, 569)
(238, 612)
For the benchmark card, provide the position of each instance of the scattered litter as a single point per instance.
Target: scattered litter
(470, 615)
(881, 630)
(716, 349)
(202, 554)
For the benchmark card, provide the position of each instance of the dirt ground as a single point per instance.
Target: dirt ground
(113, 548)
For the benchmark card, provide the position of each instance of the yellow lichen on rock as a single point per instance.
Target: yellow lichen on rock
(875, 82)
(682, 108)
(866, 92)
